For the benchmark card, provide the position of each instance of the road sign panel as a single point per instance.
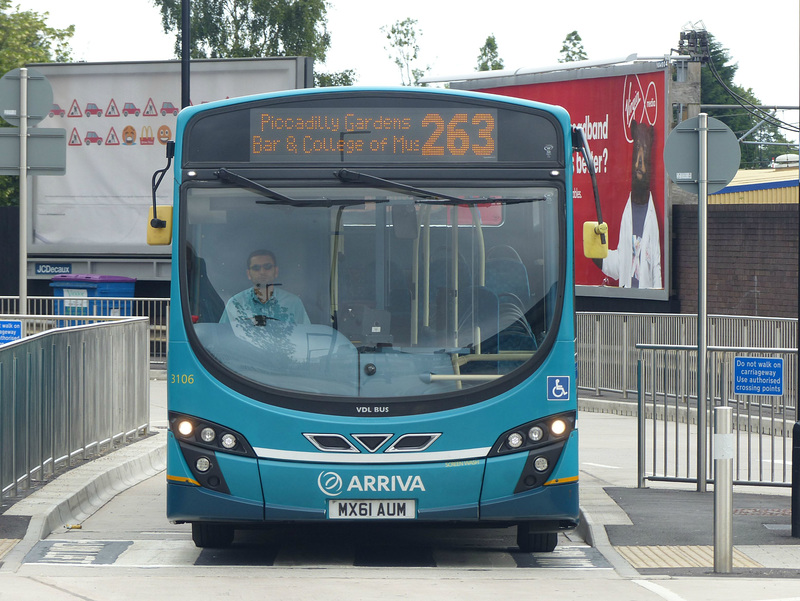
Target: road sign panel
(47, 151)
(40, 97)
(10, 330)
(682, 155)
(761, 376)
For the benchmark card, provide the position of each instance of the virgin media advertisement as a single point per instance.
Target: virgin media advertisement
(624, 121)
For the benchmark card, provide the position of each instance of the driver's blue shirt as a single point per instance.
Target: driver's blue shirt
(243, 308)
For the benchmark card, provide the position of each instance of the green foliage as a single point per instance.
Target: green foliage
(489, 59)
(9, 191)
(25, 38)
(404, 50)
(343, 78)
(740, 120)
(251, 28)
(572, 49)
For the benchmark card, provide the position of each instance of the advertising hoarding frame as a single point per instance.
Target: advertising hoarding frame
(94, 218)
(659, 71)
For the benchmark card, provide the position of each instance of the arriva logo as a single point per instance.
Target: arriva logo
(331, 483)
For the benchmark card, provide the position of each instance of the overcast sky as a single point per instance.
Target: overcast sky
(765, 41)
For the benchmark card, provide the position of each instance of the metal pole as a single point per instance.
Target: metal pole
(796, 480)
(597, 354)
(185, 52)
(640, 425)
(22, 308)
(702, 316)
(723, 491)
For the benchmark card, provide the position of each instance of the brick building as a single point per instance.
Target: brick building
(753, 227)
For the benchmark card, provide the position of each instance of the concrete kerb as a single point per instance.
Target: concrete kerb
(594, 535)
(77, 494)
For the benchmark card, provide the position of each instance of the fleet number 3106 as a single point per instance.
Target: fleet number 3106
(181, 379)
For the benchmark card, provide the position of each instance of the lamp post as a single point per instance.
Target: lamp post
(185, 51)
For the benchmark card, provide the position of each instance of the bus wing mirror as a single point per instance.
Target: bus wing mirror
(159, 225)
(595, 233)
(595, 240)
(160, 236)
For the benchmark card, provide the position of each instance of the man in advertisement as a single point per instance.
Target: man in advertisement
(636, 263)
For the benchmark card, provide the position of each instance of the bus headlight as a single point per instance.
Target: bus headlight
(536, 433)
(515, 440)
(558, 427)
(203, 464)
(541, 464)
(205, 434)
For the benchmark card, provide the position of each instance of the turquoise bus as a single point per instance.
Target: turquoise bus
(372, 313)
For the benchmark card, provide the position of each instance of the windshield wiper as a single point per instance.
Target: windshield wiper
(354, 177)
(242, 181)
(428, 196)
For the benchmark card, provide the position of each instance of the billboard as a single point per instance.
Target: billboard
(622, 110)
(118, 118)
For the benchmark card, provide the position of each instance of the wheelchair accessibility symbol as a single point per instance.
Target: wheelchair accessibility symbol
(557, 388)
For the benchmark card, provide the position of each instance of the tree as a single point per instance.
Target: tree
(26, 38)
(717, 87)
(250, 28)
(256, 28)
(572, 49)
(404, 50)
(488, 59)
(343, 78)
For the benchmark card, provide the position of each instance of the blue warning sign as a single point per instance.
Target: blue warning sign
(758, 376)
(10, 330)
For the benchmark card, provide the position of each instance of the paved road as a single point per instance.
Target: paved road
(127, 550)
(131, 530)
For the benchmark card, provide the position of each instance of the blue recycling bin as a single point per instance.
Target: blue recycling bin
(91, 294)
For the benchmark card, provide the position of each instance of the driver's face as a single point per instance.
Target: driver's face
(262, 270)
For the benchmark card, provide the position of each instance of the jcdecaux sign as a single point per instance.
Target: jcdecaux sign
(53, 268)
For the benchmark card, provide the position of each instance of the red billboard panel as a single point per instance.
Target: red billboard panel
(625, 123)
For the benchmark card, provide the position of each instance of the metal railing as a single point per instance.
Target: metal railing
(155, 309)
(69, 393)
(606, 342)
(670, 446)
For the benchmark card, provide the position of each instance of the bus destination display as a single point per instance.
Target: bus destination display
(371, 135)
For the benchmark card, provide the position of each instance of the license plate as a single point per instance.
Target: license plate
(370, 509)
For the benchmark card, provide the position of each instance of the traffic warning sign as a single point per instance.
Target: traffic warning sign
(150, 110)
(112, 139)
(75, 110)
(112, 110)
(74, 138)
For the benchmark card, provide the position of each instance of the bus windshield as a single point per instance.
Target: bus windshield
(371, 289)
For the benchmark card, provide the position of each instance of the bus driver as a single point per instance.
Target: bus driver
(264, 300)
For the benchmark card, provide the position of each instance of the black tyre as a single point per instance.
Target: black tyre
(211, 535)
(535, 542)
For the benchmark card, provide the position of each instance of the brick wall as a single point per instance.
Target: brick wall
(752, 259)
